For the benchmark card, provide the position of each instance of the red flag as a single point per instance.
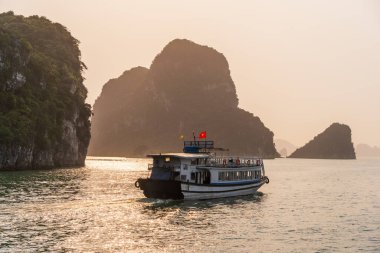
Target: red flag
(202, 135)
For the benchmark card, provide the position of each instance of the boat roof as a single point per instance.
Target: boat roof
(181, 155)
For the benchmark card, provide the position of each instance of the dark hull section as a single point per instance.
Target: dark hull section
(160, 189)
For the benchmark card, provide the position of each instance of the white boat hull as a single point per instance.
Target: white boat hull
(194, 191)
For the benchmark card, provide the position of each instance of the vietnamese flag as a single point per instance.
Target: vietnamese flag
(202, 135)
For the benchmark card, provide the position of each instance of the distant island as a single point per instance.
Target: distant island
(333, 143)
(284, 147)
(44, 121)
(187, 88)
(365, 150)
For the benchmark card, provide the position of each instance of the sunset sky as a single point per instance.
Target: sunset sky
(298, 65)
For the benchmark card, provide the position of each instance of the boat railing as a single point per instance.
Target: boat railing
(234, 161)
(199, 144)
(171, 167)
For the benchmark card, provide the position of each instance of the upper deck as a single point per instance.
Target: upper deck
(207, 160)
(198, 146)
(181, 155)
(198, 154)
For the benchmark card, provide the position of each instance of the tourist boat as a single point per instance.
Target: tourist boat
(197, 173)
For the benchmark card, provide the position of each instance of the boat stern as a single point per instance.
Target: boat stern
(161, 189)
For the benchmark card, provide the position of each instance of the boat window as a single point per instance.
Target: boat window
(220, 176)
(257, 174)
(183, 177)
(160, 173)
(237, 175)
(193, 161)
(207, 177)
(167, 159)
(192, 176)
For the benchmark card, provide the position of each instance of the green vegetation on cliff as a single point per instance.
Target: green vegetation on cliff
(41, 94)
(333, 143)
(187, 88)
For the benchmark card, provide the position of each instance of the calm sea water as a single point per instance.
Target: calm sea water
(309, 206)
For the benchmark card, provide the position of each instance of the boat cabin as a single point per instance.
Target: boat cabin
(203, 168)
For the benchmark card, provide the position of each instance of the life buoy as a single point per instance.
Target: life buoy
(267, 180)
(137, 184)
(237, 161)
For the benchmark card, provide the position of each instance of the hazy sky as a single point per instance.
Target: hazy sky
(298, 65)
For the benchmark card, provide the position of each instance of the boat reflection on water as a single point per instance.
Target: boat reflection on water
(162, 204)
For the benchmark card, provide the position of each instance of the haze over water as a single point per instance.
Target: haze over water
(308, 206)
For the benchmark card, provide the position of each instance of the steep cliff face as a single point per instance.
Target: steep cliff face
(333, 143)
(187, 88)
(44, 121)
(120, 114)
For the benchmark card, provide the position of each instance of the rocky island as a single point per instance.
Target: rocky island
(44, 120)
(284, 147)
(333, 143)
(187, 88)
